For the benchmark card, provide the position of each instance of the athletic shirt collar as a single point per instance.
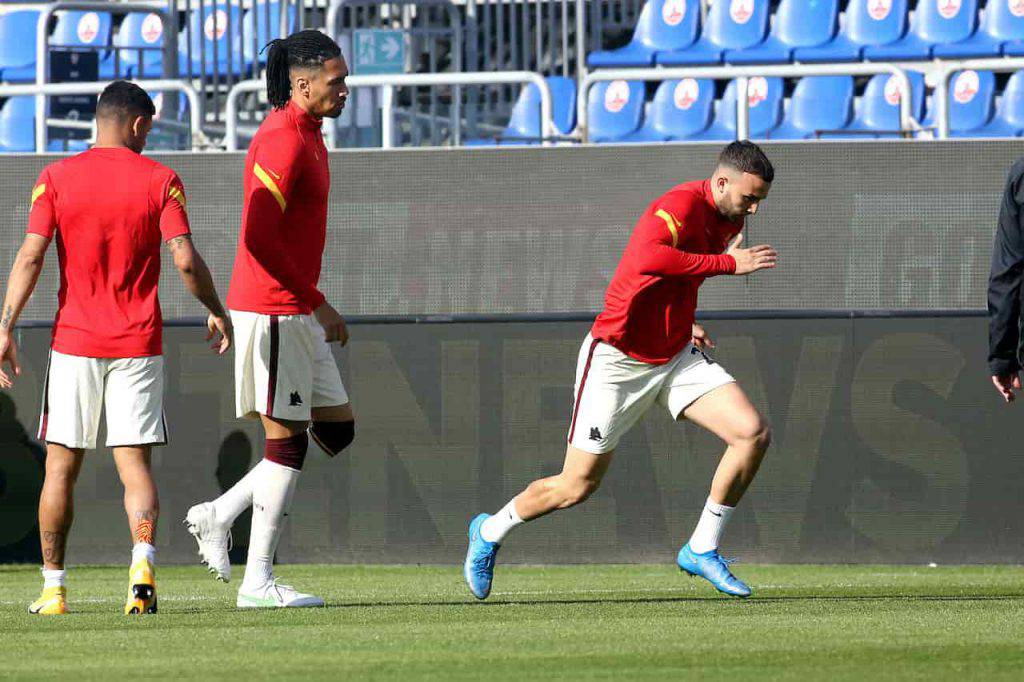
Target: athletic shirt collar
(301, 117)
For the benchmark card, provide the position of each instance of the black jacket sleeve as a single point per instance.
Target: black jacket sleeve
(1004, 283)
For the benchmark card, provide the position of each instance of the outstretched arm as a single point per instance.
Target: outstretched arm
(24, 275)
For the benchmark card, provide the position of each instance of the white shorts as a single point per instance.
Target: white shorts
(77, 388)
(283, 367)
(613, 391)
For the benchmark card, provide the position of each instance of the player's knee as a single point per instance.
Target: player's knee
(333, 437)
(577, 490)
(758, 434)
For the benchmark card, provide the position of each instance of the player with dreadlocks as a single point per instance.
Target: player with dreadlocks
(285, 374)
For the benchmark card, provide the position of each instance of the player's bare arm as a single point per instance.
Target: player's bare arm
(196, 276)
(22, 281)
(333, 323)
(701, 338)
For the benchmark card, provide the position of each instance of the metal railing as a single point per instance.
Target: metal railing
(158, 7)
(742, 74)
(949, 68)
(388, 84)
(46, 89)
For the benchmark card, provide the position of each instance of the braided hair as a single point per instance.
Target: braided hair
(305, 49)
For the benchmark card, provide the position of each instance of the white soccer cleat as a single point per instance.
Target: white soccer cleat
(272, 595)
(212, 538)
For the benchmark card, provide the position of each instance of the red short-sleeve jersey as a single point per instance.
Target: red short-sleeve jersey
(110, 209)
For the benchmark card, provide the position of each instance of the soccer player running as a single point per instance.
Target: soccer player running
(109, 208)
(645, 348)
(284, 371)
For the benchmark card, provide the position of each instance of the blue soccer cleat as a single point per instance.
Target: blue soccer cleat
(713, 568)
(479, 566)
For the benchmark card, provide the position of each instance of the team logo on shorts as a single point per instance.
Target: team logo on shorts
(295, 399)
(595, 433)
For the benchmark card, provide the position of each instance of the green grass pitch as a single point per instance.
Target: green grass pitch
(569, 622)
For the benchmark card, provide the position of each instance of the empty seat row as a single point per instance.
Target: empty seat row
(209, 45)
(669, 32)
(820, 106)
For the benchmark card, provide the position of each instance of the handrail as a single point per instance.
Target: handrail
(45, 89)
(43, 53)
(388, 83)
(949, 68)
(742, 74)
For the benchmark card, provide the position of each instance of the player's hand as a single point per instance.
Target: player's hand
(8, 356)
(219, 325)
(700, 338)
(753, 259)
(332, 322)
(1006, 384)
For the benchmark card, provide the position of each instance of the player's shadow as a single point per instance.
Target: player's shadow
(233, 462)
(21, 479)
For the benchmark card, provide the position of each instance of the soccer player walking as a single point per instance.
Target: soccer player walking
(1004, 288)
(109, 209)
(284, 372)
(645, 348)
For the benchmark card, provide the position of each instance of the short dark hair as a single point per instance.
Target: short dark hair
(747, 157)
(124, 101)
(304, 49)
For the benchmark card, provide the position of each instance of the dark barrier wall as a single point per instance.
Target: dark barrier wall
(417, 232)
(890, 446)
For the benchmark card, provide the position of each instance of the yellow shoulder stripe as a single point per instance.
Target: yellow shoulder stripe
(178, 196)
(269, 183)
(37, 192)
(673, 224)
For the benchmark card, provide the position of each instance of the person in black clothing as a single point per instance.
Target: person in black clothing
(1004, 288)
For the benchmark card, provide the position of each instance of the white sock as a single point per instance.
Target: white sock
(271, 498)
(495, 528)
(709, 529)
(238, 497)
(144, 550)
(54, 577)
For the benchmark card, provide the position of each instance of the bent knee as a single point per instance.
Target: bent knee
(756, 433)
(575, 491)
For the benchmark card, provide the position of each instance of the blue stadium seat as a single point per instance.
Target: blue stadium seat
(1002, 22)
(731, 25)
(971, 99)
(822, 103)
(765, 98)
(138, 30)
(1009, 115)
(525, 119)
(878, 109)
(614, 110)
(797, 23)
(207, 30)
(18, 46)
(76, 28)
(17, 125)
(255, 22)
(866, 23)
(680, 110)
(663, 25)
(935, 22)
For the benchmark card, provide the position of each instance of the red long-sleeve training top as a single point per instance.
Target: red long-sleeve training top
(650, 304)
(284, 217)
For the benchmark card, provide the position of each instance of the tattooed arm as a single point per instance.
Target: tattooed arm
(199, 281)
(24, 274)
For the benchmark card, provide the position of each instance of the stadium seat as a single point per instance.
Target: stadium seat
(212, 28)
(255, 22)
(138, 30)
(18, 46)
(765, 100)
(878, 110)
(819, 103)
(663, 25)
(970, 99)
(866, 23)
(935, 22)
(17, 125)
(680, 110)
(1002, 23)
(731, 25)
(525, 119)
(1008, 120)
(614, 110)
(76, 28)
(797, 23)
